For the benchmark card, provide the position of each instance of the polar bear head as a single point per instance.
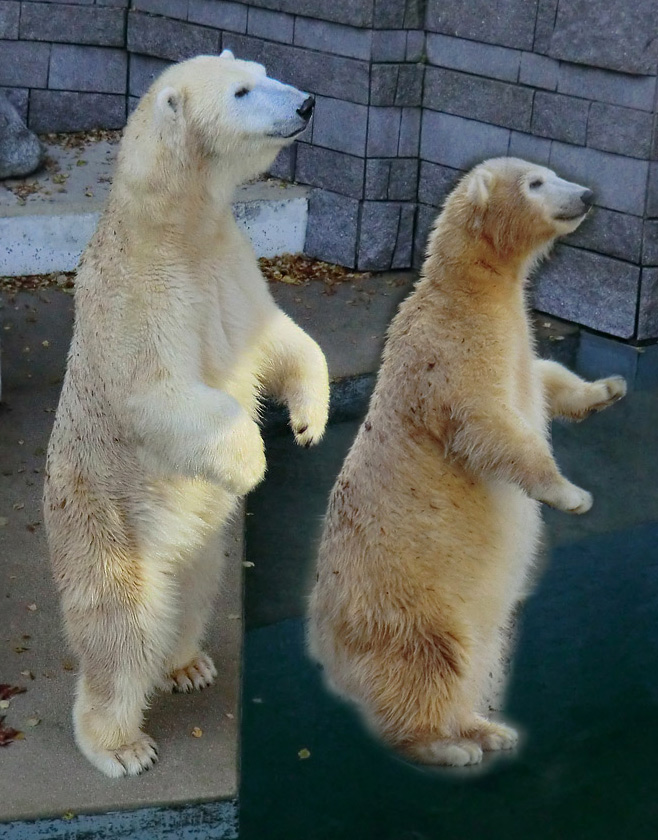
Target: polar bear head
(214, 111)
(517, 207)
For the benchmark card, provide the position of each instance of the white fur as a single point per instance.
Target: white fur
(156, 435)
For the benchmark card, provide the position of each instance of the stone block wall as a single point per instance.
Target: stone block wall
(410, 94)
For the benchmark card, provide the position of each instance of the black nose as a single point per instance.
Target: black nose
(587, 198)
(306, 108)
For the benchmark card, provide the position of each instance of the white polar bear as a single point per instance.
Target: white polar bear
(176, 338)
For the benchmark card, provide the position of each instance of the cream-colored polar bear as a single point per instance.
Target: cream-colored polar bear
(176, 337)
(434, 520)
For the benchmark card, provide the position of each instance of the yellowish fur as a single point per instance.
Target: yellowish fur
(155, 439)
(434, 520)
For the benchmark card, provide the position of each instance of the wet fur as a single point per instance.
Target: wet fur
(434, 520)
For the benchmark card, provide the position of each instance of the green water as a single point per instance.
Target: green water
(584, 689)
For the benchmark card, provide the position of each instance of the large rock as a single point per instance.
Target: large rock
(20, 150)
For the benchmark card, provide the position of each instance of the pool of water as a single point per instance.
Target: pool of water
(584, 687)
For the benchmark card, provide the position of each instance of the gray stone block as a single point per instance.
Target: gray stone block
(76, 2)
(458, 142)
(590, 289)
(606, 86)
(9, 14)
(72, 24)
(319, 73)
(389, 45)
(404, 247)
(538, 71)
(330, 170)
(612, 34)
(386, 237)
(560, 117)
(652, 192)
(435, 183)
(424, 221)
(534, 149)
(143, 71)
(275, 26)
(333, 222)
(650, 243)
(624, 131)
(222, 14)
(285, 163)
(349, 12)
(546, 11)
(409, 132)
(510, 23)
(478, 98)
(383, 132)
(619, 182)
(54, 110)
(608, 232)
(170, 39)
(167, 8)
(396, 84)
(24, 64)
(19, 98)
(340, 126)
(133, 102)
(20, 150)
(333, 38)
(119, 4)
(391, 179)
(397, 14)
(647, 325)
(94, 69)
(473, 57)
(415, 45)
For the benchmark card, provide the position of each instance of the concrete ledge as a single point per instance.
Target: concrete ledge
(51, 237)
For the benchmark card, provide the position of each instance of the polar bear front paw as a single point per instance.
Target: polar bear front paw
(567, 497)
(242, 458)
(605, 392)
(309, 423)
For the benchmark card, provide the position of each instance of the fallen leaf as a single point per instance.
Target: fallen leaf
(21, 649)
(45, 344)
(304, 753)
(7, 735)
(196, 732)
(256, 699)
(32, 607)
(4, 704)
(68, 815)
(68, 665)
(19, 505)
(81, 162)
(248, 564)
(229, 715)
(28, 675)
(33, 721)
(3, 521)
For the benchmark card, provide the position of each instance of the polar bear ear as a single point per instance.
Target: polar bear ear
(226, 54)
(480, 187)
(169, 112)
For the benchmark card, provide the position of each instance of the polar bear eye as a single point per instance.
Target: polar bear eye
(243, 91)
(534, 185)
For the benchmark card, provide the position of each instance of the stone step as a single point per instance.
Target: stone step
(47, 219)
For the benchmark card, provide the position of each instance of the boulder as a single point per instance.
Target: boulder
(21, 151)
